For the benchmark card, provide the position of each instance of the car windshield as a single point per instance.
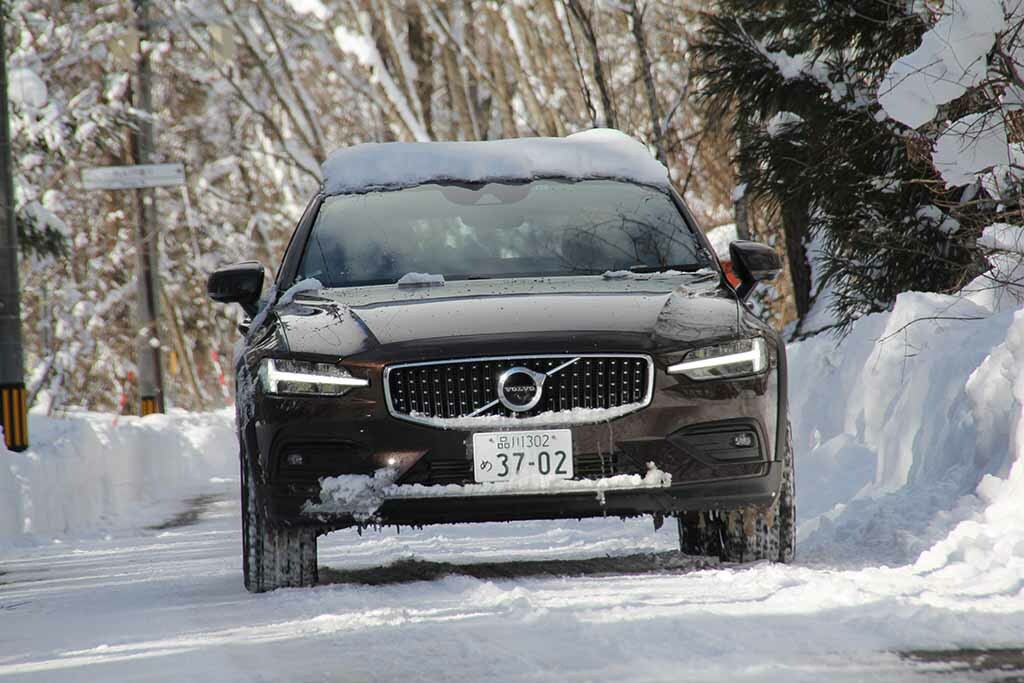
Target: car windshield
(493, 230)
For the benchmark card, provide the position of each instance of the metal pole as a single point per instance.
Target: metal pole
(151, 384)
(13, 410)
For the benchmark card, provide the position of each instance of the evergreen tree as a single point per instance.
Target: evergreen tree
(798, 80)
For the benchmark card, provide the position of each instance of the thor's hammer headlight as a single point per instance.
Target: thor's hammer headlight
(722, 361)
(280, 376)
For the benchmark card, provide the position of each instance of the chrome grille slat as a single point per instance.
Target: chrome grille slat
(456, 388)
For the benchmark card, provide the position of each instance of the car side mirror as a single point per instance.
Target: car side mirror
(753, 263)
(239, 283)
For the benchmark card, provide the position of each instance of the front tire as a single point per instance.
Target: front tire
(273, 556)
(748, 534)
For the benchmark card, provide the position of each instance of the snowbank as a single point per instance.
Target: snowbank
(909, 434)
(82, 474)
(599, 153)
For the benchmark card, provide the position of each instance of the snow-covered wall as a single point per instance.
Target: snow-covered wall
(911, 425)
(84, 474)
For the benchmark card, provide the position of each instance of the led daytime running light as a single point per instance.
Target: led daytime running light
(274, 376)
(755, 356)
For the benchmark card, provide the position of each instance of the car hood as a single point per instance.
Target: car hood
(639, 313)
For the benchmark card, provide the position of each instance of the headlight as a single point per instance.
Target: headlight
(279, 376)
(732, 359)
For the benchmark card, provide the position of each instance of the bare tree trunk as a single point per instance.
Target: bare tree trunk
(795, 226)
(538, 51)
(533, 106)
(504, 90)
(421, 49)
(637, 17)
(462, 128)
(479, 108)
(587, 26)
(741, 196)
(182, 347)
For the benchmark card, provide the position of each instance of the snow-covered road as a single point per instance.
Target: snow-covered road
(163, 604)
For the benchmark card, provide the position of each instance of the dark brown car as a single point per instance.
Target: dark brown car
(519, 348)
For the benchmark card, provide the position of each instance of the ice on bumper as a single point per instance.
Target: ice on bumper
(362, 495)
(358, 495)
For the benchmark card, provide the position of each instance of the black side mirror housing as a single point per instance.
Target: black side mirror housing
(753, 262)
(239, 283)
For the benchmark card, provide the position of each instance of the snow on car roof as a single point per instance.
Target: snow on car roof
(598, 153)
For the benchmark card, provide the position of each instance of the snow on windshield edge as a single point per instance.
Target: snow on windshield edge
(598, 153)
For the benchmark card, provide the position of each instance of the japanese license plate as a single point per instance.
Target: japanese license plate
(516, 456)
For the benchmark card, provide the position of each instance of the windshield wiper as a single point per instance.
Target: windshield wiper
(685, 268)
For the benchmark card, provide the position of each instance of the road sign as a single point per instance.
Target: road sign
(133, 177)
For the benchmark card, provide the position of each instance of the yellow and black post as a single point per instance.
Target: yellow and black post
(13, 408)
(149, 406)
(14, 416)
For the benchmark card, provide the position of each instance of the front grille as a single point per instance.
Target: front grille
(469, 387)
(596, 466)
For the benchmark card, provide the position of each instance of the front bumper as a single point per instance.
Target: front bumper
(677, 432)
(705, 495)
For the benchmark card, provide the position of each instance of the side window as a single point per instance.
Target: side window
(292, 252)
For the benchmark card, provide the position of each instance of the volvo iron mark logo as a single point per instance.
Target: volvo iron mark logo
(520, 389)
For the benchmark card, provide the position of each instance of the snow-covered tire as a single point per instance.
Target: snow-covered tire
(748, 534)
(273, 556)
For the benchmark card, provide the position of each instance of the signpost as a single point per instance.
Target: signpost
(140, 178)
(133, 177)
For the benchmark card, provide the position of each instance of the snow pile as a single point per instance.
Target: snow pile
(310, 284)
(792, 67)
(26, 89)
(971, 145)
(912, 426)
(83, 474)
(421, 280)
(993, 540)
(599, 153)
(271, 302)
(778, 124)
(1003, 286)
(361, 495)
(656, 275)
(951, 59)
(653, 478)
